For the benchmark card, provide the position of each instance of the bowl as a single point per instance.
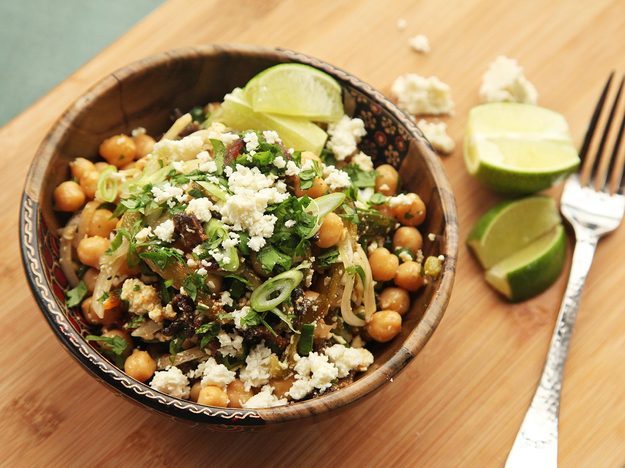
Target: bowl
(144, 94)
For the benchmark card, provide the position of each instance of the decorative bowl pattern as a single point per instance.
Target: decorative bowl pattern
(144, 94)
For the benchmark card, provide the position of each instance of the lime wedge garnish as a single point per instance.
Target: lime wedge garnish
(518, 148)
(296, 90)
(510, 226)
(300, 134)
(532, 269)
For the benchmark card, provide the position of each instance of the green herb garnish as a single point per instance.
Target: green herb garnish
(74, 296)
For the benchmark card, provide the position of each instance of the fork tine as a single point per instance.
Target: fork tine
(596, 164)
(615, 174)
(595, 118)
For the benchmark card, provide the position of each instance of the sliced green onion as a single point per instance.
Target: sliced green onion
(107, 185)
(219, 153)
(305, 343)
(275, 291)
(233, 263)
(319, 207)
(213, 190)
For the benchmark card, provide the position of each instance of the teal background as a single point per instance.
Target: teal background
(44, 41)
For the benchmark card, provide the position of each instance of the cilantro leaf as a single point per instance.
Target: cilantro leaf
(269, 257)
(114, 344)
(327, 258)
(134, 322)
(356, 270)
(161, 256)
(219, 153)
(360, 178)
(74, 296)
(194, 284)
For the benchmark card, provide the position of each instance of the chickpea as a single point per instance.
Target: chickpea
(409, 276)
(331, 231)
(281, 386)
(212, 395)
(89, 183)
(144, 144)
(408, 237)
(386, 179)
(118, 150)
(396, 299)
(383, 264)
(81, 166)
(318, 189)
(102, 223)
(237, 394)
(88, 313)
(410, 214)
(140, 365)
(100, 166)
(195, 391)
(121, 333)
(90, 277)
(311, 295)
(384, 325)
(68, 196)
(91, 249)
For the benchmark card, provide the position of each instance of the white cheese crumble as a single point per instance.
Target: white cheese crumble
(363, 161)
(336, 178)
(405, 256)
(142, 299)
(265, 399)
(206, 163)
(271, 137)
(230, 344)
(200, 208)
(419, 95)
(402, 199)
(312, 372)
(215, 374)
(202, 271)
(256, 370)
(143, 234)
(344, 136)
(237, 315)
(290, 223)
(436, 133)
(251, 142)
(279, 162)
(171, 381)
(420, 43)
(504, 82)
(226, 299)
(245, 209)
(402, 24)
(167, 193)
(292, 169)
(137, 132)
(179, 150)
(347, 359)
(165, 231)
(432, 236)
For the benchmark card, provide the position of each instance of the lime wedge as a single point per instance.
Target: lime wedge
(518, 148)
(300, 134)
(532, 269)
(510, 226)
(296, 90)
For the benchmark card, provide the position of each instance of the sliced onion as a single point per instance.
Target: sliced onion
(177, 127)
(85, 221)
(180, 358)
(283, 284)
(329, 203)
(346, 254)
(147, 329)
(109, 275)
(369, 293)
(67, 264)
(107, 185)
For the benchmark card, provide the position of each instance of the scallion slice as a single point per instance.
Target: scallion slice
(213, 190)
(106, 190)
(319, 207)
(305, 343)
(276, 290)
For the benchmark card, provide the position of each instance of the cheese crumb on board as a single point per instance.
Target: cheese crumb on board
(504, 82)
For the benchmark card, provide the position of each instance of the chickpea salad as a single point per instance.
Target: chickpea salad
(222, 266)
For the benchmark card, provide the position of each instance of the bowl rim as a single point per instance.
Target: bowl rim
(139, 392)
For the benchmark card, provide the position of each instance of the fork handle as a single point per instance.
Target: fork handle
(536, 443)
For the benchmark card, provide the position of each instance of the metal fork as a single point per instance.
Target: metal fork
(593, 202)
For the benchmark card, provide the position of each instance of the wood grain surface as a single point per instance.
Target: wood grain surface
(462, 399)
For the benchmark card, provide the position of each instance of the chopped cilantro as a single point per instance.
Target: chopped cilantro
(115, 344)
(208, 331)
(269, 257)
(74, 296)
(175, 346)
(360, 178)
(194, 284)
(161, 256)
(327, 258)
(134, 322)
(103, 298)
(377, 199)
(219, 152)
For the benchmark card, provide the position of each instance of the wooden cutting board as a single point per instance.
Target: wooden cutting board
(462, 399)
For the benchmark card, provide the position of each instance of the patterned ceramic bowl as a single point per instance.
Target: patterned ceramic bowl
(144, 94)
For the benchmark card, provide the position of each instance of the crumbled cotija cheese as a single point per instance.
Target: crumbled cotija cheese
(292, 169)
(504, 82)
(237, 315)
(179, 150)
(171, 381)
(143, 234)
(201, 208)
(251, 142)
(347, 359)
(265, 399)
(402, 199)
(363, 161)
(271, 137)
(230, 344)
(336, 178)
(215, 374)
(165, 231)
(312, 372)
(419, 95)
(142, 299)
(436, 133)
(344, 136)
(420, 43)
(167, 192)
(256, 370)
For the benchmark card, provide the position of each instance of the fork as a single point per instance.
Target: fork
(593, 203)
